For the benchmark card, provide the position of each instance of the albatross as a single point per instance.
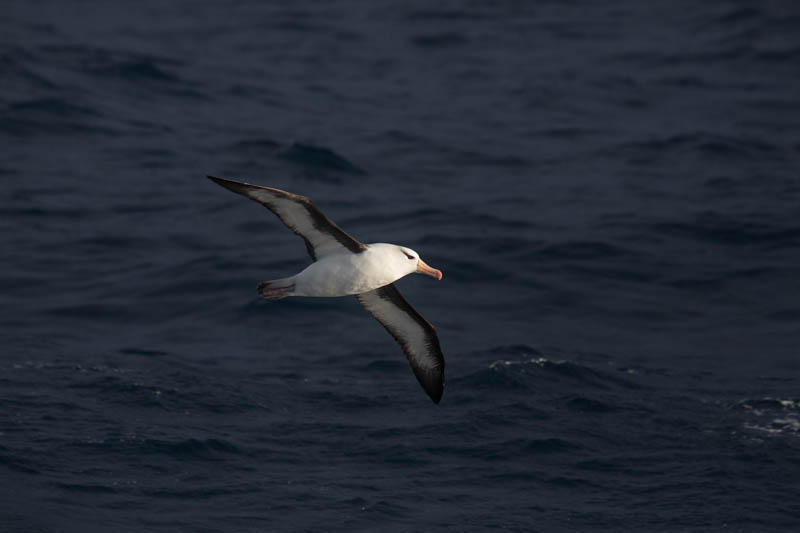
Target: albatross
(343, 266)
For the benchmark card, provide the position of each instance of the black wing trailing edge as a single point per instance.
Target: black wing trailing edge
(321, 235)
(415, 335)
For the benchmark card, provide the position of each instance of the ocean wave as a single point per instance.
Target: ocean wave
(205, 449)
(92, 488)
(583, 404)
(112, 63)
(436, 14)
(726, 229)
(319, 158)
(537, 446)
(143, 352)
(385, 366)
(440, 40)
(748, 15)
(771, 416)
(259, 147)
(55, 107)
(209, 448)
(532, 371)
(47, 212)
(98, 310)
(17, 461)
(21, 74)
(583, 250)
(52, 117)
(701, 143)
(135, 69)
(200, 493)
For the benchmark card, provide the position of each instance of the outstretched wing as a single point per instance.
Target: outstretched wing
(299, 214)
(416, 336)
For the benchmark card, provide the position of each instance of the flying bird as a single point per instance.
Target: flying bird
(343, 266)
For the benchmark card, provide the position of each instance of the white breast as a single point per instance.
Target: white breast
(343, 274)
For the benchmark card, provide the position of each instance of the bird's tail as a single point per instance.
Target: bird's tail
(276, 289)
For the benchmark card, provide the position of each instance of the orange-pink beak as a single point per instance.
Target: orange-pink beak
(422, 268)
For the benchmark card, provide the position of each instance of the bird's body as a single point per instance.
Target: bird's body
(343, 267)
(347, 274)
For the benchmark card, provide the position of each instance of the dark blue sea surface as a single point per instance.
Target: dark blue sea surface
(612, 191)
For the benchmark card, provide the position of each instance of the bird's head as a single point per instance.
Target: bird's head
(417, 265)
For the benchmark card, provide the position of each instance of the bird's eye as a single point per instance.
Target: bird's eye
(409, 256)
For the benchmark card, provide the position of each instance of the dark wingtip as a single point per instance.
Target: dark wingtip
(220, 181)
(436, 395)
(232, 185)
(433, 385)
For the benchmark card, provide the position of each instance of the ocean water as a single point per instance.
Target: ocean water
(612, 191)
